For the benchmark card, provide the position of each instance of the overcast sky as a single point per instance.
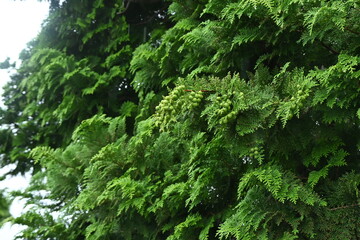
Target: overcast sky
(20, 22)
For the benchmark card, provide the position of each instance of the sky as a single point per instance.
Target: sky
(20, 22)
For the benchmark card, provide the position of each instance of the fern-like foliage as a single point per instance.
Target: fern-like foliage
(244, 125)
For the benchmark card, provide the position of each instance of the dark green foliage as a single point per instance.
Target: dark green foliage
(244, 124)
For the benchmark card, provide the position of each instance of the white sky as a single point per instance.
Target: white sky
(20, 22)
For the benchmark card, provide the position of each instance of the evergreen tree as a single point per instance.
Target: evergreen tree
(183, 119)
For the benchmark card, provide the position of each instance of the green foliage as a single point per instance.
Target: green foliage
(190, 120)
(4, 208)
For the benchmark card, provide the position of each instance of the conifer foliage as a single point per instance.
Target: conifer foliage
(183, 119)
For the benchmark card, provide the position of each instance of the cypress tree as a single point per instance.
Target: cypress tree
(181, 119)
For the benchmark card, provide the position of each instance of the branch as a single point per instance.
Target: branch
(348, 206)
(126, 8)
(352, 31)
(333, 51)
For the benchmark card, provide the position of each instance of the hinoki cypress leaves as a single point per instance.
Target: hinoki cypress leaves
(234, 119)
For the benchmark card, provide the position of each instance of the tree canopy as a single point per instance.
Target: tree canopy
(189, 119)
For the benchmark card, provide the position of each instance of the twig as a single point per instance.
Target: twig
(126, 8)
(342, 207)
(188, 90)
(352, 31)
(329, 48)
